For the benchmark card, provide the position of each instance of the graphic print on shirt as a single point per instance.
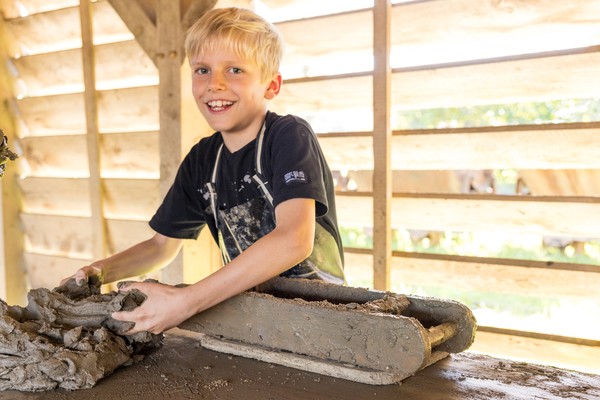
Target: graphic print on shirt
(295, 176)
(242, 225)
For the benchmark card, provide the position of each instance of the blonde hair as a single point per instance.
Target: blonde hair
(243, 32)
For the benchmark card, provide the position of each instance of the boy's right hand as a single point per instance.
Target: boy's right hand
(89, 274)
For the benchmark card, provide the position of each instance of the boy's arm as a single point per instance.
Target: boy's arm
(288, 244)
(142, 258)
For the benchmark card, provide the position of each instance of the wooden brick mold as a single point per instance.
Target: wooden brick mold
(351, 333)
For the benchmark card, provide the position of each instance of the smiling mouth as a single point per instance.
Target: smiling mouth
(219, 105)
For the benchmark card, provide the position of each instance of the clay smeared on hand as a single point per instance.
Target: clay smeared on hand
(66, 338)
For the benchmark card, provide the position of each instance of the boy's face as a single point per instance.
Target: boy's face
(229, 92)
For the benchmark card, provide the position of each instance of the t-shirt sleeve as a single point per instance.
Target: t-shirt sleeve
(297, 164)
(181, 213)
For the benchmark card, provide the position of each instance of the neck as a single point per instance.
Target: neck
(236, 140)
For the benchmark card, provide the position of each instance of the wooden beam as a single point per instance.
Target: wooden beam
(168, 60)
(195, 11)
(99, 234)
(382, 137)
(12, 274)
(139, 24)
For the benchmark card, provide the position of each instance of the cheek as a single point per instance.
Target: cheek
(196, 91)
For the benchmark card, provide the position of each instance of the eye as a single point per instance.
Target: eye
(201, 71)
(235, 70)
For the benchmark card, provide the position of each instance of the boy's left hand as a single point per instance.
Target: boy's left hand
(164, 308)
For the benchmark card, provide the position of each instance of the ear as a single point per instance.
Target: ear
(274, 87)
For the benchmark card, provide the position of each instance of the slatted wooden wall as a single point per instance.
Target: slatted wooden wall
(518, 54)
(60, 234)
(458, 53)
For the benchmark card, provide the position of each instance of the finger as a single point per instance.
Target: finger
(126, 286)
(81, 278)
(124, 316)
(128, 316)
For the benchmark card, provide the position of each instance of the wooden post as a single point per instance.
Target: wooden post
(168, 60)
(13, 288)
(382, 144)
(99, 232)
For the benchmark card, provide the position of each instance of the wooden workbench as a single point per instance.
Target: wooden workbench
(182, 369)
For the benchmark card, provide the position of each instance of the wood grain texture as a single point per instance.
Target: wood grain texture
(183, 369)
(561, 218)
(381, 146)
(121, 64)
(425, 33)
(124, 155)
(549, 147)
(482, 275)
(58, 28)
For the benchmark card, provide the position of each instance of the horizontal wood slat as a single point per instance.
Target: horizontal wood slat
(509, 214)
(12, 8)
(564, 147)
(72, 237)
(123, 155)
(527, 80)
(46, 271)
(124, 198)
(482, 276)
(429, 32)
(60, 30)
(120, 110)
(119, 65)
(563, 355)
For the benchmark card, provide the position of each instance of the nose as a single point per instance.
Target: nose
(216, 82)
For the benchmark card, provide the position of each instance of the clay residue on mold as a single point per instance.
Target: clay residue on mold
(66, 338)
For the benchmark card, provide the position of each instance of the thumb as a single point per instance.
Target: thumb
(81, 278)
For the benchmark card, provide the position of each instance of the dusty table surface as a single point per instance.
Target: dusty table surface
(182, 369)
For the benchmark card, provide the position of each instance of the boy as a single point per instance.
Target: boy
(260, 183)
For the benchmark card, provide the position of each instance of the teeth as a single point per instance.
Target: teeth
(219, 103)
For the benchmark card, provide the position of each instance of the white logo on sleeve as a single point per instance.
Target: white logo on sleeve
(295, 176)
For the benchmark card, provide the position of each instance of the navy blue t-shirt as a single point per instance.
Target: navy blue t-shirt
(292, 165)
